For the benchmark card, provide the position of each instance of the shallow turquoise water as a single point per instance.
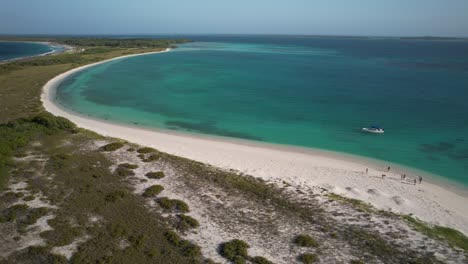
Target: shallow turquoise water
(14, 50)
(301, 91)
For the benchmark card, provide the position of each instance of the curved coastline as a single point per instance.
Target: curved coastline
(49, 44)
(342, 174)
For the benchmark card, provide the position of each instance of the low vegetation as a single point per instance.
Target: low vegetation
(451, 236)
(153, 191)
(234, 250)
(308, 258)
(150, 158)
(260, 260)
(173, 205)
(112, 146)
(185, 222)
(155, 175)
(128, 166)
(305, 241)
(146, 150)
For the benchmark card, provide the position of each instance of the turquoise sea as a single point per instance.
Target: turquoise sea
(14, 50)
(294, 90)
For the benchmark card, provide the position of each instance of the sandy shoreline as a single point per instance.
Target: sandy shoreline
(49, 44)
(346, 176)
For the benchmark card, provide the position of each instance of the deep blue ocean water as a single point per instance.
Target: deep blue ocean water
(304, 91)
(14, 50)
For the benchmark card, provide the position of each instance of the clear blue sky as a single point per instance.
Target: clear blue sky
(335, 17)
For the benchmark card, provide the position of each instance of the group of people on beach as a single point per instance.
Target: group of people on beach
(402, 176)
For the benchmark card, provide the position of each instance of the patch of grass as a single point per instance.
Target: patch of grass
(112, 146)
(260, 260)
(11, 213)
(155, 175)
(62, 233)
(451, 236)
(33, 215)
(305, 241)
(123, 172)
(185, 222)
(153, 191)
(128, 166)
(130, 149)
(115, 196)
(146, 150)
(152, 157)
(35, 254)
(358, 204)
(28, 198)
(234, 249)
(173, 205)
(356, 261)
(308, 258)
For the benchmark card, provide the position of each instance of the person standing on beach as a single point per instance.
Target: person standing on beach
(388, 169)
(404, 176)
(367, 170)
(420, 179)
(414, 181)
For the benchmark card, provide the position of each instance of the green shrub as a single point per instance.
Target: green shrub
(146, 150)
(123, 172)
(28, 198)
(130, 149)
(260, 260)
(308, 258)
(191, 250)
(54, 122)
(155, 175)
(11, 213)
(234, 249)
(153, 191)
(356, 261)
(33, 215)
(128, 166)
(112, 146)
(115, 196)
(239, 260)
(305, 241)
(173, 238)
(186, 222)
(173, 205)
(152, 157)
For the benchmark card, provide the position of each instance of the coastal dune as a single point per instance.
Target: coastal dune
(341, 174)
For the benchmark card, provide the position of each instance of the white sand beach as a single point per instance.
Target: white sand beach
(341, 174)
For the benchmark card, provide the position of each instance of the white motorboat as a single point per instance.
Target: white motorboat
(373, 129)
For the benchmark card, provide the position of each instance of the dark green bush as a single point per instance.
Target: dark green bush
(260, 260)
(186, 222)
(305, 241)
(146, 150)
(11, 213)
(115, 196)
(123, 172)
(173, 205)
(234, 249)
(155, 175)
(152, 157)
(112, 146)
(128, 166)
(308, 258)
(153, 191)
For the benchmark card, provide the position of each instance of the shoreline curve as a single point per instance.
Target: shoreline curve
(339, 173)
